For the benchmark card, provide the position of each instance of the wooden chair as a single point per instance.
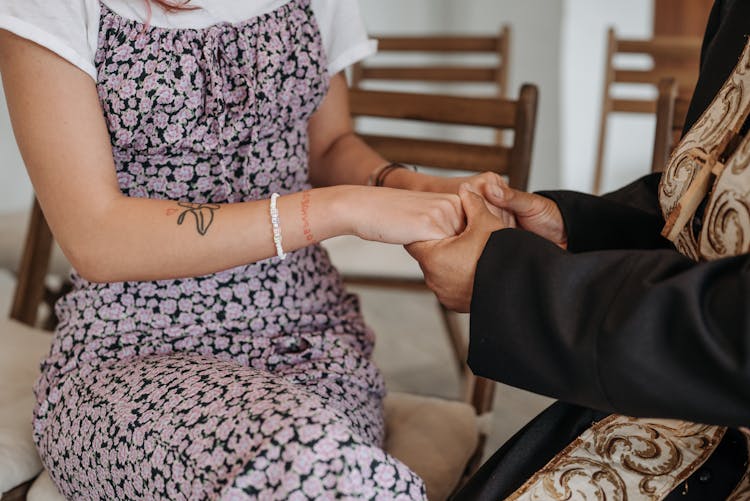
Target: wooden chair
(678, 58)
(671, 114)
(496, 74)
(518, 116)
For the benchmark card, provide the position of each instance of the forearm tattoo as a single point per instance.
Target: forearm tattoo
(203, 214)
(305, 212)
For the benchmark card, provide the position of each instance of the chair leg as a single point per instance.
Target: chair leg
(456, 338)
(17, 493)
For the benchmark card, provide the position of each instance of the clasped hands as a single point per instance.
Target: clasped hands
(449, 265)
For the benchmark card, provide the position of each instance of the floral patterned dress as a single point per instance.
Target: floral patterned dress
(252, 383)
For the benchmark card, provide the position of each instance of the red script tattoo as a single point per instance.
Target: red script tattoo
(304, 209)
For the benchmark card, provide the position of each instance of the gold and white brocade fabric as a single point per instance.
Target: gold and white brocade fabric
(621, 458)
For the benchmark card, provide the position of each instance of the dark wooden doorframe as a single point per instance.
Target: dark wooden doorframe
(678, 18)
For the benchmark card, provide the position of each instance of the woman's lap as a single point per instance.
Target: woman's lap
(185, 426)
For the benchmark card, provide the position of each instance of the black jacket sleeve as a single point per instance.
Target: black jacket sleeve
(642, 333)
(629, 218)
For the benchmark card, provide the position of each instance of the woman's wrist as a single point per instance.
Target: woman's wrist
(344, 204)
(407, 179)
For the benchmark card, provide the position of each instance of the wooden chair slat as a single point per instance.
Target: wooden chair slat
(685, 78)
(487, 112)
(668, 47)
(430, 74)
(441, 154)
(633, 106)
(497, 47)
(410, 43)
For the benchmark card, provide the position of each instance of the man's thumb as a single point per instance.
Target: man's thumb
(518, 202)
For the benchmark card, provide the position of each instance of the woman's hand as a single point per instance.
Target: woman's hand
(485, 184)
(449, 265)
(402, 217)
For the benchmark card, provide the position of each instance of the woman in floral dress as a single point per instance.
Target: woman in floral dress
(208, 348)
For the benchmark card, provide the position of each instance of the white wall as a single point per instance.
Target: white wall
(582, 53)
(15, 189)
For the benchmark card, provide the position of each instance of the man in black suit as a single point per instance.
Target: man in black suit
(587, 303)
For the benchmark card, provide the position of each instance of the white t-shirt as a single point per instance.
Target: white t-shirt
(70, 27)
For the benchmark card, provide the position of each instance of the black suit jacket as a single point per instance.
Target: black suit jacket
(622, 322)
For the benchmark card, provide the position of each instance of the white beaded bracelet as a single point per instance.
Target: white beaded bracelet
(275, 223)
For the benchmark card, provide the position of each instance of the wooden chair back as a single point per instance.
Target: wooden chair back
(30, 287)
(671, 115)
(671, 57)
(498, 46)
(498, 114)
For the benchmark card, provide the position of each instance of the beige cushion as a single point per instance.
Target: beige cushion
(44, 490)
(13, 226)
(433, 437)
(353, 256)
(22, 349)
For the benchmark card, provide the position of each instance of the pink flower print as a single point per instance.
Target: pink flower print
(130, 118)
(157, 184)
(145, 105)
(312, 487)
(173, 133)
(385, 475)
(135, 71)
(168, 306)
(177, 191)
(188, 64)
(183, 85)
(310, 433)
(123, 136)
(164, 95)
(96, 328)
(257, 324)
(123, 52)
(127, 89)
(151, 82)
(204, 183)
(233, 311)
(124, 180)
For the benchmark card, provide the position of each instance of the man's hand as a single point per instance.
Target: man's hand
(449, 265)
(533, 213)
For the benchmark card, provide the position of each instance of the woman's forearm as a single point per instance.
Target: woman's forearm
(347, 161)
(351, 161)
(141, 239)
(130, 239)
